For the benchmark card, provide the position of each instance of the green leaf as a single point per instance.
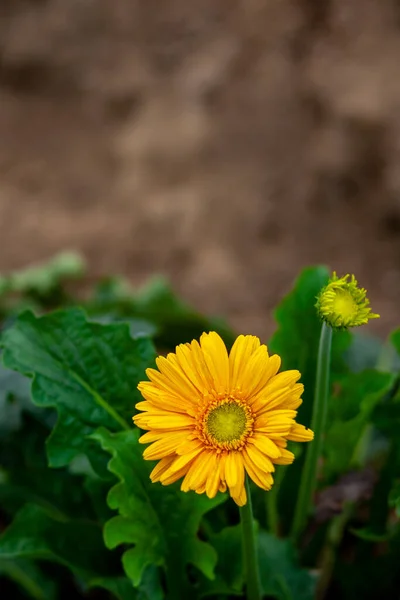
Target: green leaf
(350, 410)
(35, 535)
(228, 545)
(161, 522)
(281, 576)
(88, 372)
(120, 587)
(14, 398)
(25, 476)
(30, 577)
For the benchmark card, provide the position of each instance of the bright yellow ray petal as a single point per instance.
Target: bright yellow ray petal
(161, 467)
(274, 416)
(169, 421)
(262, 462)
(239, 355)
(167, 480)
(299, 433)
(171, 369)
(265, 445)
(200, 364)
(172, 386)
(239, 496)
(261, 478)
(181, 462)
(213, 479)
(258, 372)
(216, 357)
(287, 397)
(187, 361)
(286, 459)
(233, 465)
(164, 447)
(198, 472)
(164, 400)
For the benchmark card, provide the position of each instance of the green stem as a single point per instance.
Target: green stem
(250, 557)
(309, 475)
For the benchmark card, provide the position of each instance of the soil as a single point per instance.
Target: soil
(224, 143)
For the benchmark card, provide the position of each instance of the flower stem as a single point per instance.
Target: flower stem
(309, 475)
(250, 557)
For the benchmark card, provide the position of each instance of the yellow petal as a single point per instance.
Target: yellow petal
(233, 471)
(262, 462)
(265, 445)
(242, 349)
(194, 370)
(198, 472)
(258, 372)
(261, 478)
(169, 421)
(213, 479)
(216, 357)
(170, 368)
(163, 400)
(286, 397)
(181, 462)
(161, 467)
(171, 386)
(239, 496)
(299, 433)
(164, 447)
(286, 458)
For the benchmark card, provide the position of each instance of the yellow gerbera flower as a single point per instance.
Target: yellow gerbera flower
(342, 304)
(211, 416)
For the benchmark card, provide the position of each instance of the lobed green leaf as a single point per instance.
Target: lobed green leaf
(88, 372)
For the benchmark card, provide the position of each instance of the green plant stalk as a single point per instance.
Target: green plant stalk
(309, 475)
(250, 556)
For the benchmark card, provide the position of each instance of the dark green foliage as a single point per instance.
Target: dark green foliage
(79, 517)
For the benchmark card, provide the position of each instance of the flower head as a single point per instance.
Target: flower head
(342, 304)
(211, 416)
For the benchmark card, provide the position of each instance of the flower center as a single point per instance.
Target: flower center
(227, 422)
(344, 304)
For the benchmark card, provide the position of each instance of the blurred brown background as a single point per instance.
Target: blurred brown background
(225, 143)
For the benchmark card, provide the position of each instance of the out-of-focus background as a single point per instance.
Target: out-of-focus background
(223, 143)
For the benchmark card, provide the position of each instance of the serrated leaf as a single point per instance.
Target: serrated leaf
(35, 535)
(87, 371)
(161, 523)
